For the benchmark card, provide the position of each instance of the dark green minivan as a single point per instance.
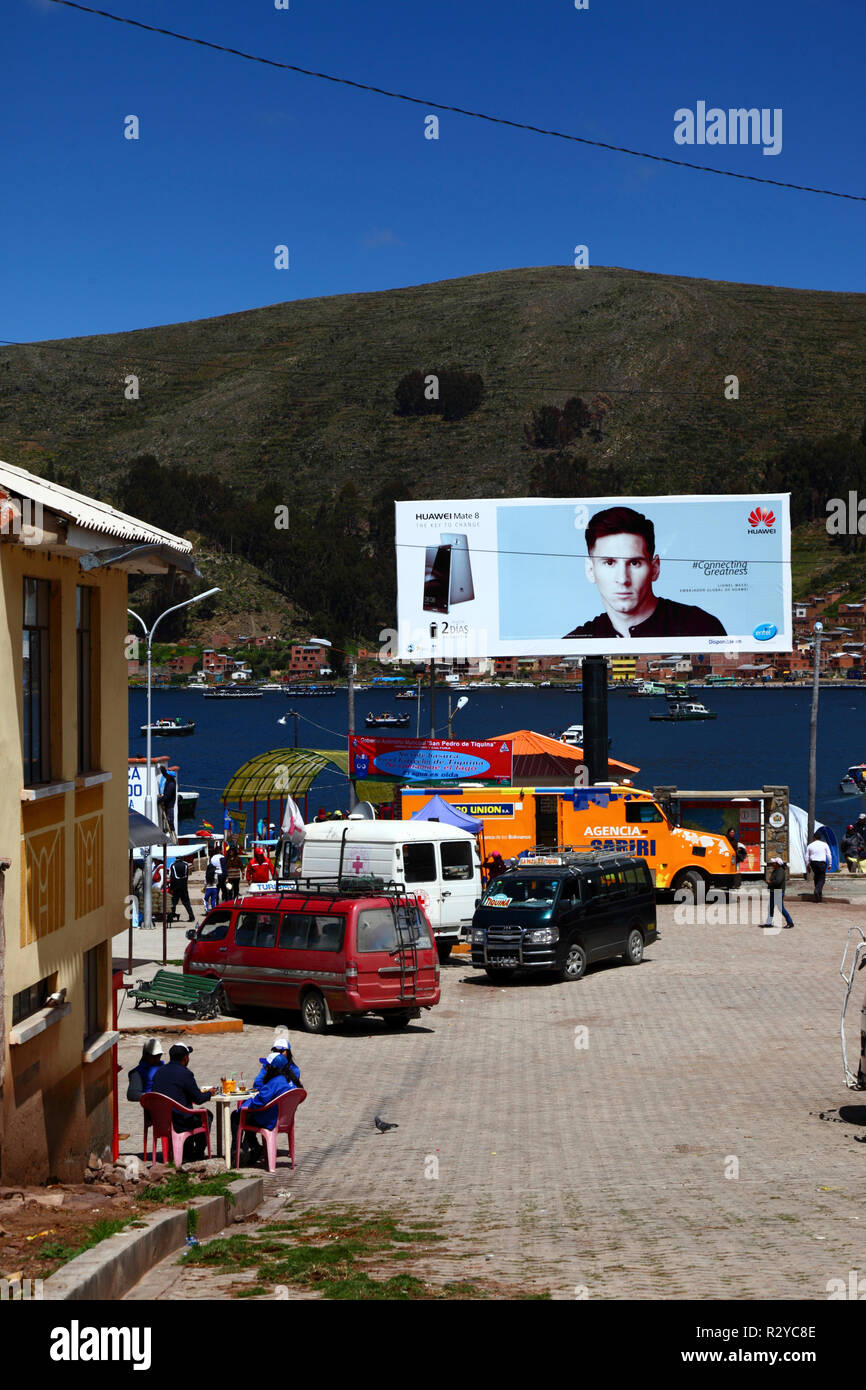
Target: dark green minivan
(561, 911)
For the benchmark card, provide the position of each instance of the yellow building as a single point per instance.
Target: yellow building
(64, 842)
(622, 668)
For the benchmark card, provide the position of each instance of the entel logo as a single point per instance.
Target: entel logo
(764, 631)
(762, 520)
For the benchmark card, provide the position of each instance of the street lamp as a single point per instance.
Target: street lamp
(813, 731)
(148, 801)
(323, 642)
(293, 714)
(463, 701)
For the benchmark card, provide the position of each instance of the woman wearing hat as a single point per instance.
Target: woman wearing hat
(141, 1076)
(776, 880)
(280, 1047)
(276, 1082)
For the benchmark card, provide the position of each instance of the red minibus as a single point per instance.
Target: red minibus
(328, 951)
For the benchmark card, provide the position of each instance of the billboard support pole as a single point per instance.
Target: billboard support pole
(433, 628)
(594, 676)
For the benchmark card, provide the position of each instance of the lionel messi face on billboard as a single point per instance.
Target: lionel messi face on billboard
(539, 576)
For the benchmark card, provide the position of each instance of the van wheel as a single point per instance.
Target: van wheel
(444, 948)
(633, 954)
(691, 883)
(396, 1020)
(314, 1016)
(575, 963)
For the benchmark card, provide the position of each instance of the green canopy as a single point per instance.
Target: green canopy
(292, 772)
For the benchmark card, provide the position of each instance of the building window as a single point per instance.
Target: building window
(36, 681)
(84, 653)
(29, 1000)
(92, 984)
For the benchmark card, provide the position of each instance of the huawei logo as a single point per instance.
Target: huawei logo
(760, 516)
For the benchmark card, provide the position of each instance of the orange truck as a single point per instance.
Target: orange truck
(613, 817)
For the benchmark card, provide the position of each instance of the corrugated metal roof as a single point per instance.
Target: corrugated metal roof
(86, 512)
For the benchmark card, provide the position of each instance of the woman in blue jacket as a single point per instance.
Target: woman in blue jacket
(141, 1077)
(279, 1047)
(276, 1083)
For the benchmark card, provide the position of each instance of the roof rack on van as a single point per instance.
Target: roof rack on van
(563, 856)
(367, 886)
(350, 886)
(545, 849)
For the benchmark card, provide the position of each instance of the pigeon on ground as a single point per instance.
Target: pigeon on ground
(383, 1126)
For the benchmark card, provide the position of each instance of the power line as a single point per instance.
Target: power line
(455, 110)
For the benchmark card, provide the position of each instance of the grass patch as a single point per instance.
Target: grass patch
(335, 1254)
(183, 1187)
(99, 1231)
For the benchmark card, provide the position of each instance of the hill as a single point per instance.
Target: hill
(293, 405)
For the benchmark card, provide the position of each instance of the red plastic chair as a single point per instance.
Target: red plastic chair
(157, 1112)
(286, 1105)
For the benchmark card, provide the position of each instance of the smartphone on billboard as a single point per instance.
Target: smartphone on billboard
(460, 589)
(437, 578)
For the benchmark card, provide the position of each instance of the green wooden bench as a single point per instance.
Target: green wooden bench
(202, 997)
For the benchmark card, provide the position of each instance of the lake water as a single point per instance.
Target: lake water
(760, 736)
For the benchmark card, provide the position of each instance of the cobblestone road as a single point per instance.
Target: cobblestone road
(563, 1166)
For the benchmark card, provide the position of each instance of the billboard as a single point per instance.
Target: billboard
(601, 575)
(428, 759)
(137, 788)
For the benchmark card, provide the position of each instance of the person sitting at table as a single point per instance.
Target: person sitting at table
(276, 1083)
(141, 1077)
(280, 1047)
(176, 1081)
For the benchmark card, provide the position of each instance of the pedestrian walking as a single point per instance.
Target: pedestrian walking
(166, 803)
(260, 869)
(776, 878)
(178, 884)
(234, 867)
(218, 861)
(211, 890)
(138, 892)
(818, 859)
(851, 846)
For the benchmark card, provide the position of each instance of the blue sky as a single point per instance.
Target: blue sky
(102, 234)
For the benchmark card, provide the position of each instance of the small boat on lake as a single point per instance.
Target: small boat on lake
(573, 736)
(387, 721)
(299, 688)
(684, 711)
(186, 804)
(854, 781)
(406, 695)
(169, 728)
(233, 692)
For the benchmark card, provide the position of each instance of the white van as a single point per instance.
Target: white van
(438, 862)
